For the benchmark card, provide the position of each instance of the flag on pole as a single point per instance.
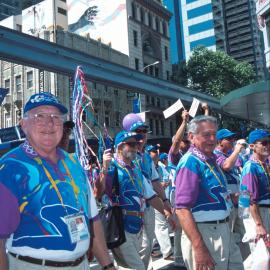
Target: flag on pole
(136, 105)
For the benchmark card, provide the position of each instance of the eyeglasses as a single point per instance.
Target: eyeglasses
(43, 118)
(264, 143)
(132, 144)
(141, 131)
(230, 139)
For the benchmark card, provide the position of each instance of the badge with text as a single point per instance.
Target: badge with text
(77, 227)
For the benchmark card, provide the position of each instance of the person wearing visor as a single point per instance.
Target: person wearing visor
(133, 122)
(227, 157)
(134, 191)
(256, 176)
(46, 203)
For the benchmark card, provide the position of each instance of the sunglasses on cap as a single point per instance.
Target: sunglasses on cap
(141, 131)
(132, 144)
(264, 143)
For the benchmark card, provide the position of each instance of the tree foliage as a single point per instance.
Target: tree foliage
(216, 73)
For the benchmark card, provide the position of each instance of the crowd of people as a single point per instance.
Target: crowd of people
(49, 205)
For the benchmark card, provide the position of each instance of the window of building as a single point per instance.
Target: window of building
(62, 11)
(158, 102)
(147, 99)
(19, 27)
(142, 15)
(29, 79)
(156, 72)
(157, 24)
(166, 53)
(153, 101)
(151, 70)
(117, 119)
(107, 118)
(151, 124)
(168, 75)
(18, 114)
(64, 1)
(116, 92)
(164, 28)
(134, 11)
(162, 127)
(136, 63)
(96, 114)
(18, 83)
(157, 126)
(7, 120)
(7, 84)
(268, 31)
(135, 38)
(171, 129)
(150, 20)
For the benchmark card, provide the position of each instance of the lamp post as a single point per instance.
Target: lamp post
(138, 96)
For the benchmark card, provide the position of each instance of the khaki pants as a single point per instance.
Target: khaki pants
(127, 255)
(16, 264)
(220, 242)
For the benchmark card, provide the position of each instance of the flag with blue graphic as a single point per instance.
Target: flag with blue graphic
(3, 93)
(136, 105)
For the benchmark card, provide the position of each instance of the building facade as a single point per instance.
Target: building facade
(111, 104)
(263, 16)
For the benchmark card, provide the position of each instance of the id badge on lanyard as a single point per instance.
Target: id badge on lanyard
(77, 227)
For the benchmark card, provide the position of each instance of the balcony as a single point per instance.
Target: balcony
(17, 98)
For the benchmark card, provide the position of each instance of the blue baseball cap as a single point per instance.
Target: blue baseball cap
(123, 136)
(163, 156)
(43, 99)
(224, 133)
(257, 134)
(150, 147)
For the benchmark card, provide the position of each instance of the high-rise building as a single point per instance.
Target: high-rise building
(263, 16)
(176, 30)
(9, 8)
(228, 25)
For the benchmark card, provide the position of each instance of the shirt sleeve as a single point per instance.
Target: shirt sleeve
(149, 192)
(220, 160)
(9, 205)
(250, 180)
(155, 175)
(93, 213)
(187, 183)
(174, 158)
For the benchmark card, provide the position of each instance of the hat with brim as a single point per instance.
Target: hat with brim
(150, 147)
(224, 133)
(44, 99)
(123, 136)
(163, 156)
(257, 134)
(138, 125)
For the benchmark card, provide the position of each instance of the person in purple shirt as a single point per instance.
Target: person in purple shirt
(256, 176)
(203, 203)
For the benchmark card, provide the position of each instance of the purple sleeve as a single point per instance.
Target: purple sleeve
(174, 158)
(220, 160)
(109, 183)
(251, 181)
(9, 212)
(187, 188)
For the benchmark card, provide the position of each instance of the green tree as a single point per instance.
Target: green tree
(216, 73)
(179, 73)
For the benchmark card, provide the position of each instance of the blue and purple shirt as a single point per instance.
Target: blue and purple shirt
(256, 176)
(134, 189)
(31, 214)
(201, 187)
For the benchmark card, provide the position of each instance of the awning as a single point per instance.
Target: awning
(251, 102)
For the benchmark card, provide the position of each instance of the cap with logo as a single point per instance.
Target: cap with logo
(257, 134)
(124, 135)
(224, 133)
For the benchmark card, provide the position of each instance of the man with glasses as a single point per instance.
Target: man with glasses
(46, 203)
(202, 203)
(256, 176)
(133, 122)
(134, 191)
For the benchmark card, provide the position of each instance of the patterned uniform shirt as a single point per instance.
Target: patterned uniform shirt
(201, 187)
(31, 214)
(134, 189)
(256, 176)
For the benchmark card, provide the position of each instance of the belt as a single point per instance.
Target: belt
(133, 213)
(264, 205)
(215, 221)
(48, 262)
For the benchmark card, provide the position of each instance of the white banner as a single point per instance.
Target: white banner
(194, 107)
(173, 109)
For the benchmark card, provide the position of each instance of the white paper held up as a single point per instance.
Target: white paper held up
(173, 109)
(194, 107)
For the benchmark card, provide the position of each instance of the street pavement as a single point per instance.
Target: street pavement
(158, 264)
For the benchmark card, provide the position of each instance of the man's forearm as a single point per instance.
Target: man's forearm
(100, 250)
(229, 163)
(3, 255)
(161, 193)
(157, 204)
(178, 138)
(255, 213)
(190, 228)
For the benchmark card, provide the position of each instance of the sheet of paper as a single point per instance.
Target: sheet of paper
(142, 115)
(173, 109)
(194, 107)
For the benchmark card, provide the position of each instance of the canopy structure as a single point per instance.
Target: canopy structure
(251, 102)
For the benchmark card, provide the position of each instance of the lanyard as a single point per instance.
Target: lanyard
(216, 176)
(74, 187)
(267, 173)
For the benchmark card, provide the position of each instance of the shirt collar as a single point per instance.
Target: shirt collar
(123, 164)
(196, 152)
